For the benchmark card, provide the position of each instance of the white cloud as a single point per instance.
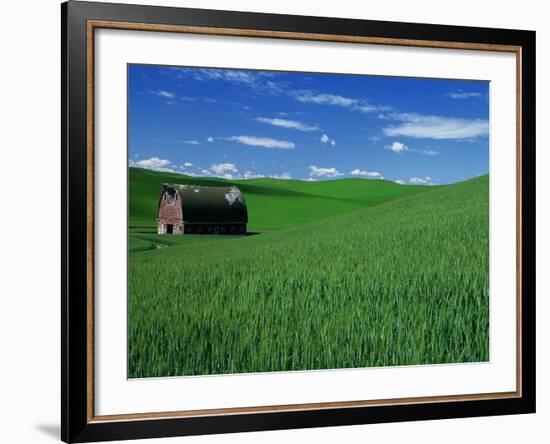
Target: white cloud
(323, 172)
(398, 147)
(187, 165)
(295, 113)
(285, 176)
(420, 180)
(363, 106)
(238, 76)
(326, 139)
(223, 168)
(284, 123)
(210, 139)
(463, 95)
(189, 142)
(417, 180)
(264, 142)
(427, 152)
(205, 74)
(270, 87)
(250, 175)
(366, 108)
(435, 127)
(358, 172)
(258, 81)
(324, 99)
(400, 181)
(162, 93)
(219, 74)
(155, 164)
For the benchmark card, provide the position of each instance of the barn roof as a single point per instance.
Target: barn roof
(210, 204)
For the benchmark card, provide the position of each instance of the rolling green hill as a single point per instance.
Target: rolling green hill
(345, 274)
(272, 203)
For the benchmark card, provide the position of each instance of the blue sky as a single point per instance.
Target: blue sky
(307, 126)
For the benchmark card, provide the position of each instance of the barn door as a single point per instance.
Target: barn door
(169, 228)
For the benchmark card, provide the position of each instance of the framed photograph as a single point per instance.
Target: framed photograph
(275, 221)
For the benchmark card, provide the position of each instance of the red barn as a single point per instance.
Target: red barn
(201, 210)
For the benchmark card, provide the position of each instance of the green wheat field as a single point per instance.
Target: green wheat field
(334, 274)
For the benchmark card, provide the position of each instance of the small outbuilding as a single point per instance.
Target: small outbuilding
(201, 209)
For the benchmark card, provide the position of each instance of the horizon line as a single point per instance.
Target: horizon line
(306, 180)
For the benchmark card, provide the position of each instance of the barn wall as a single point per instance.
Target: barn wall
(170, 210)
(236, 228)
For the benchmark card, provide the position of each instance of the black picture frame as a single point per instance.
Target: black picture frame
(76, 423)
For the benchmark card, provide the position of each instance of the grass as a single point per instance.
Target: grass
(272, 203)
(385, 275)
